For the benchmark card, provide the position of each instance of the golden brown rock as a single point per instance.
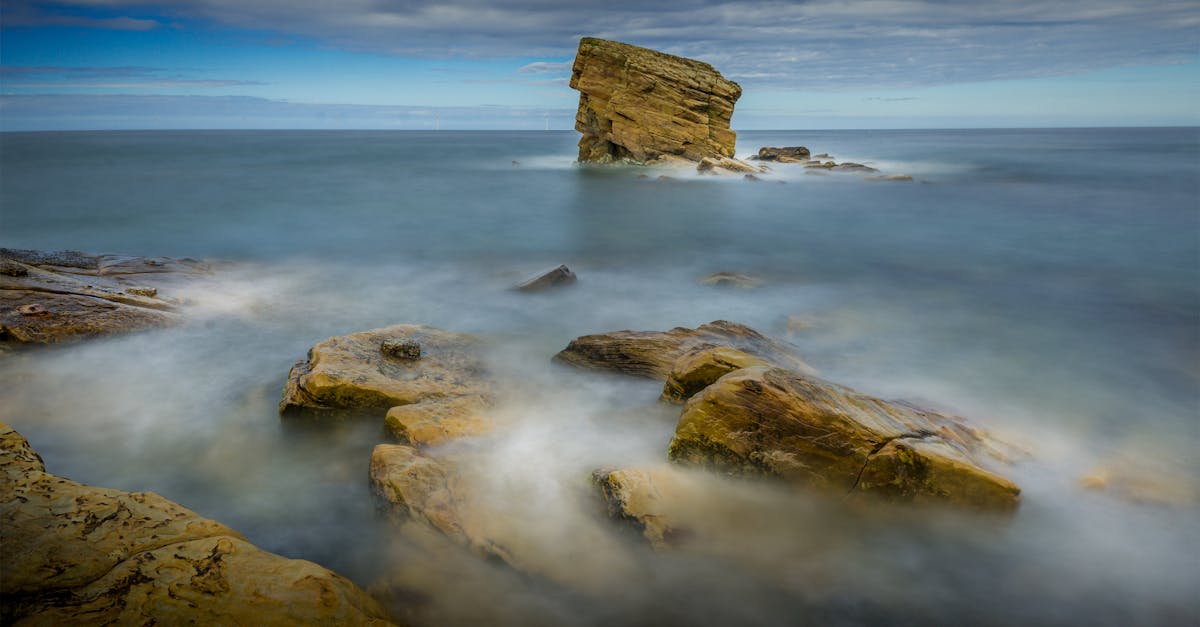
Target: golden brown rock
(636, 104)
(50, 297)
(438, 421)
(774, 422)
(351, 372)
(698, 369)
(652, 354)
(636, 496)
(77, 554)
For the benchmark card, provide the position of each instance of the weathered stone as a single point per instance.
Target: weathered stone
(546, 279)
(731, 279)
(787, 154)
(77, 554)
(698, 369)
(652, 354)
(50, 297)
(438, 421)
(774, 422)
(636, 497)
(636, 104)
(723, 165)
(401, 348)
(351, 373)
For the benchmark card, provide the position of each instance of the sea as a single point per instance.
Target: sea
(1042, 283)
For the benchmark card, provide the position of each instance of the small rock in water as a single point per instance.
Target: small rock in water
(555, 277)
(891, 177)
(142, 291)
(751, 177)
(731, 279)
(787, 154)
(516, 163)
(401, 348)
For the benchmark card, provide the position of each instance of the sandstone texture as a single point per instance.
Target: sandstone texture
(700, 368)
(637, 105)
(789, 154)
(768, 421)
(642, 498)
(50, 297)
(77, 554)
(653, 354)
(352, 372)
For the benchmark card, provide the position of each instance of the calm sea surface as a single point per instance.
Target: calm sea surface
(1044, 283)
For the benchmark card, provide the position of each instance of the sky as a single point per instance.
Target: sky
(469, 64)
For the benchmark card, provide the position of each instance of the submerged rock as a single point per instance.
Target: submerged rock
(77, 554)
(546, 279)
(724, 165)
(48, 297)
(636, 104)
(774, 422)
(789, 154)
(438, 421)
(352, 372)
(653, 354)
(731, 279)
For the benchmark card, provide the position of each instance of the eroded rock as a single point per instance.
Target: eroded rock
(48, 297)
(77, 554)
(636, 496)
(701, 368)
(636, 104)
(768, 421)
(788, 154)
(652, 354)
(352, 372)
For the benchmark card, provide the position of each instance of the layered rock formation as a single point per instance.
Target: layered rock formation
(653, 354)
(754, 408)
(77, 554)
(51, 297)
(638, 105)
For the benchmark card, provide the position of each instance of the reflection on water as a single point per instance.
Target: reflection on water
(1024, 286)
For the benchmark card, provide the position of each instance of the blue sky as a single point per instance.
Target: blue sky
(83, 64)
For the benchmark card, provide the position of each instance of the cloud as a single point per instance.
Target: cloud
(22, 13)
(546, 67)
(764, 43)
(128, 111)
(102, 77)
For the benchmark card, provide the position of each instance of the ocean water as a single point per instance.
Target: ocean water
(1043, 283)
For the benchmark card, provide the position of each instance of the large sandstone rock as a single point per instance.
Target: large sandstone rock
(645, 499)
(354, 372)
(653, 354)
(77, 554)
(774, 422)
(55, 296)
(637, 104)
(700, 368)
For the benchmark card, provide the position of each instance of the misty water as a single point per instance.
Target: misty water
(1043, 283)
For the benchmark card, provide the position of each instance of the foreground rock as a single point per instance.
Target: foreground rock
(637, 104)
(653, 354)
(77, 554)
(546, 279)
(50, 297)
(642, 498)
(789, 154)
(773, 422)
(700, 368)
(354, 372)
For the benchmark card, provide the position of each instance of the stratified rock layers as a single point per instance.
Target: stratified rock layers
(637, 104)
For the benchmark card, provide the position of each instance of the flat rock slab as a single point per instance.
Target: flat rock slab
(653, 354)
(77, 554)
(48, 297)
(352, 372)
(636, 104)
(560, 276)
(768, 421)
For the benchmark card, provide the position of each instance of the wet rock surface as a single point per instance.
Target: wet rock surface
(765, 421)
(637, 104)
(788, 154)
(48, 297)
(560, 276)
(653, 354)
(77, 554)
(348, 373)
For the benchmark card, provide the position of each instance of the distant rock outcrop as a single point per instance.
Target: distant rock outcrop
(639, 105)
